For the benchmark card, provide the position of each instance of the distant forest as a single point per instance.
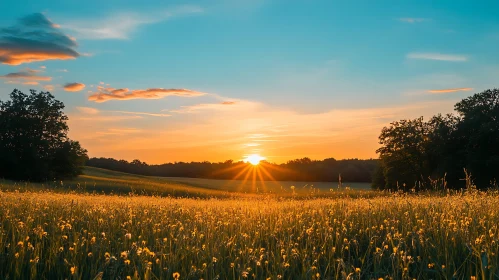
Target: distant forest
(305, 169)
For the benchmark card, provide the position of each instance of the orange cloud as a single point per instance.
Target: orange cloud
(228, 103)
(35, 38)
(88, 110)
(106, 94)
(94, 111)
(74, 87)
(447, 90)
(27, 76)
(31, 83)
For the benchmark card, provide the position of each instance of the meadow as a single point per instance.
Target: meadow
(97, 180)
(46, 234)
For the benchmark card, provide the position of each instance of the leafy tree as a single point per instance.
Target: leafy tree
(33, 139)
(404, 152)
(478, 135)
(415, 153)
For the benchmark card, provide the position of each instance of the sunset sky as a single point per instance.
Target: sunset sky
(166, 81)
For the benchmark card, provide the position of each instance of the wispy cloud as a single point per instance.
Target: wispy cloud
(122, 25)
(95, 111)
(412, 20)
(448, 90)
(26, 77)
(88, 110)
(222, 106)
(141, 113)
(35, 38)
(48, 87)
(74, 87)
(105, 94)
(438, 56)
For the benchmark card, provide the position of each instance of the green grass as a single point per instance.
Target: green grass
(96, 180)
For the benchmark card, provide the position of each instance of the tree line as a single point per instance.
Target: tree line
(305, 169)
(417, 154)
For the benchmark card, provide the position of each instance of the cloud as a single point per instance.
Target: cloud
(88, 110)
(35, 38)
(74, 87)
(48, 87)
(438, 56)
(62, 70)
(223, 106)
(27, 76)
(141, 113)
(43, 67)
(106, 94)
(122, 25)
(94, 111)
(447, 90)
(412, 20)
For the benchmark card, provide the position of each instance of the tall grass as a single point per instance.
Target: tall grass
(47, 235)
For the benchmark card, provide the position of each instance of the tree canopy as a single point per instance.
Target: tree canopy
(415, 153)
(34, 144)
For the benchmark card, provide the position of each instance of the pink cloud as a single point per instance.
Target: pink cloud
(105, 94)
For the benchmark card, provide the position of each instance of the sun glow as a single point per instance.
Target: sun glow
(253, 159)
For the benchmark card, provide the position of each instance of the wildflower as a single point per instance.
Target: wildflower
(176, 275)
(73, 270)
(124, 255)
(357, 270)
(128, 236)
(127, 262)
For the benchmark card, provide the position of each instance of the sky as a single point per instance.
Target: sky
(211, 80)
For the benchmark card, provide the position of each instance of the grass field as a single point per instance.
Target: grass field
(105, 181)
(57, 235)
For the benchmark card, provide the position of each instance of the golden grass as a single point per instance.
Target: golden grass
(47, 235)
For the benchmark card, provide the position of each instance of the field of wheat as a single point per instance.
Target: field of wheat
(47, 235)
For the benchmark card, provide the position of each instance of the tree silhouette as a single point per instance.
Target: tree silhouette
(415, 152)
(33, 139)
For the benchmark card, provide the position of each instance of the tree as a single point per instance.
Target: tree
(403, 153)
(33, 139)
(416, 153)
(478, 135)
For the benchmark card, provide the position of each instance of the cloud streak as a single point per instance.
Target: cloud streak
(74, 87)
(438, 56)
(26, 77)
(412, 20)
(448, 90)
(107, 94)
(120, 26)
(35, 38)
(95, 111)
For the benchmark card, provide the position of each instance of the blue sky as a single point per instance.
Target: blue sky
(294, 73)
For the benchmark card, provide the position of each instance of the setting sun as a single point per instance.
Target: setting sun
(253, 159)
